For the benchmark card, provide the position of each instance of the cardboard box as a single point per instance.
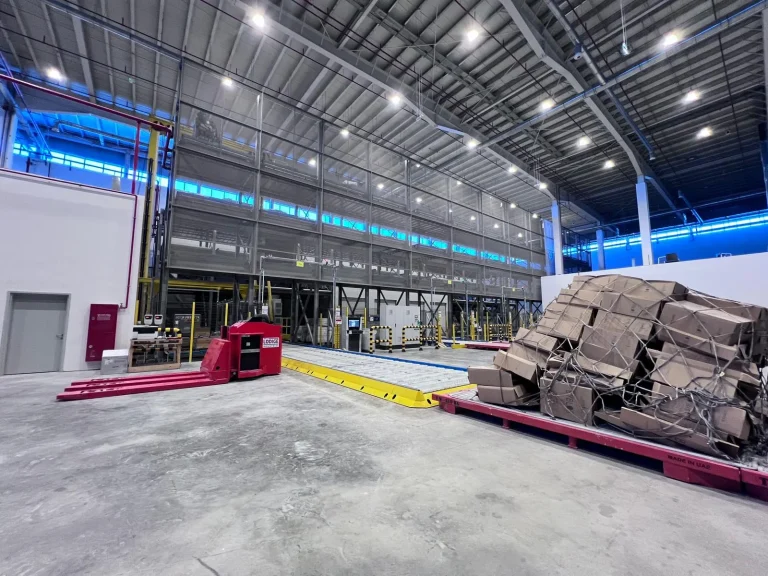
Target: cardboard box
(747, 311)
(502, 395)
(559, 327)
(629, 305)
(678, 434)
(693, 375)
(679, 340)
(563, 400)
(535, 340)
(593, 381)
(675, 349)
(529, 354)
(579, 297)
(614, 372)
(614, 419)
(643, 329)
(499, 359)
(673, 405)
(709, 367)
(625, 344)
(484, 376)
(657, 290)
(571, 311)
(722, 327)
(606, 356)
(524, 368)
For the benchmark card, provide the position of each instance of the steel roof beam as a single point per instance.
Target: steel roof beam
(550, 53)
(82, 49)
(108, 53)
(160, 15)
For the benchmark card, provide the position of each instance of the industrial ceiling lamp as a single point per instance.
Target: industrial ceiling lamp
(259, 20)
(626, 49)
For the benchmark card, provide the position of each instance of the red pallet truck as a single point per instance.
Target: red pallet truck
(247, 349)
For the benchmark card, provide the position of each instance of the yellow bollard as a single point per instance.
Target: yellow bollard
(192, 332)
(226, 314)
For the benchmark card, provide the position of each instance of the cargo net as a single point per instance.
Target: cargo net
(650, 358)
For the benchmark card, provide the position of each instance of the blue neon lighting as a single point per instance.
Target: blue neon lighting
(711, 227)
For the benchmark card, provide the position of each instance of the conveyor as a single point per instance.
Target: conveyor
(408, 383)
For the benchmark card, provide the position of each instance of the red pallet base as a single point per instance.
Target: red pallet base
(677, 464)
(105, 387)
(486, 345)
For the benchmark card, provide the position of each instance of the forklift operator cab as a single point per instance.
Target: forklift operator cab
(246, 349)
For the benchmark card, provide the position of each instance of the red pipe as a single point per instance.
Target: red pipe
(153, 125)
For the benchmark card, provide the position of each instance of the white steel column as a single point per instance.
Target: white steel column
(644, 218)
(600, 236)
(9, 138)
(557, 233)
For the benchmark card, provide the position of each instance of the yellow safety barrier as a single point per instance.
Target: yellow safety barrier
(419, 338)
(435, 330)
(373, 341)
(500, 332)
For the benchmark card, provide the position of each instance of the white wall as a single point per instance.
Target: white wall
(743, 278)
(62, 238)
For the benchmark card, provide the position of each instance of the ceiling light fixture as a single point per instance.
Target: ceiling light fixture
(547, 104)
(542, 185)
(227, 82)
(418, 200)
(259, 20)
(519, 234)
(583, 142)
(472, 144)
(535, 215)
(458, 183)
(54, 74)
(472, 34)
(395, 98)
(512, 169)
(312, 162)
(450, 210)
(495, 225)
(345, 133)
(691, 96)
(705, 132)
(512, 205)
(609, 164)
(670, 39)
(472, 218)
(380, 186)
(418, 165)
(626, 49)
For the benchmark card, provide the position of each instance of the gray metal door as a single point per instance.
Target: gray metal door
(36, 333)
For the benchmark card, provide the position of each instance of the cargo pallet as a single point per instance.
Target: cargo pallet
(678, 464)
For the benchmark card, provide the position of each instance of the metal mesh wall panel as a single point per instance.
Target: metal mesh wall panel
(428, 236)
(289, 124)
(388, 164)
(203, 185)
(425, 267)
(344, 217)
(390, 267)
(291, 245)
(467, 277)
(429, 206)
(465, 218)
(464, 195)
(388, 192)
(345, 179)
(429, 180)
(289, 159)
(493, 227)
(210, 134)
(348, 148)
(351, 260)
(289, 203)
(493, 207)
(493, 280)
(466, 246)
(210, 242)
(389, 227)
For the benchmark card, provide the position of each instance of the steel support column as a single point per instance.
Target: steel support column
(644, 219)
(600, 237)
(557, 236)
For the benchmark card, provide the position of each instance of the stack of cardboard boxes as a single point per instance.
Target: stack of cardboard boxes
(648, 357)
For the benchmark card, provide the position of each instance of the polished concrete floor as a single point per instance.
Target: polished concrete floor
(292, 475)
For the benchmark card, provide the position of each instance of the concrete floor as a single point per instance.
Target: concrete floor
(293, 475)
